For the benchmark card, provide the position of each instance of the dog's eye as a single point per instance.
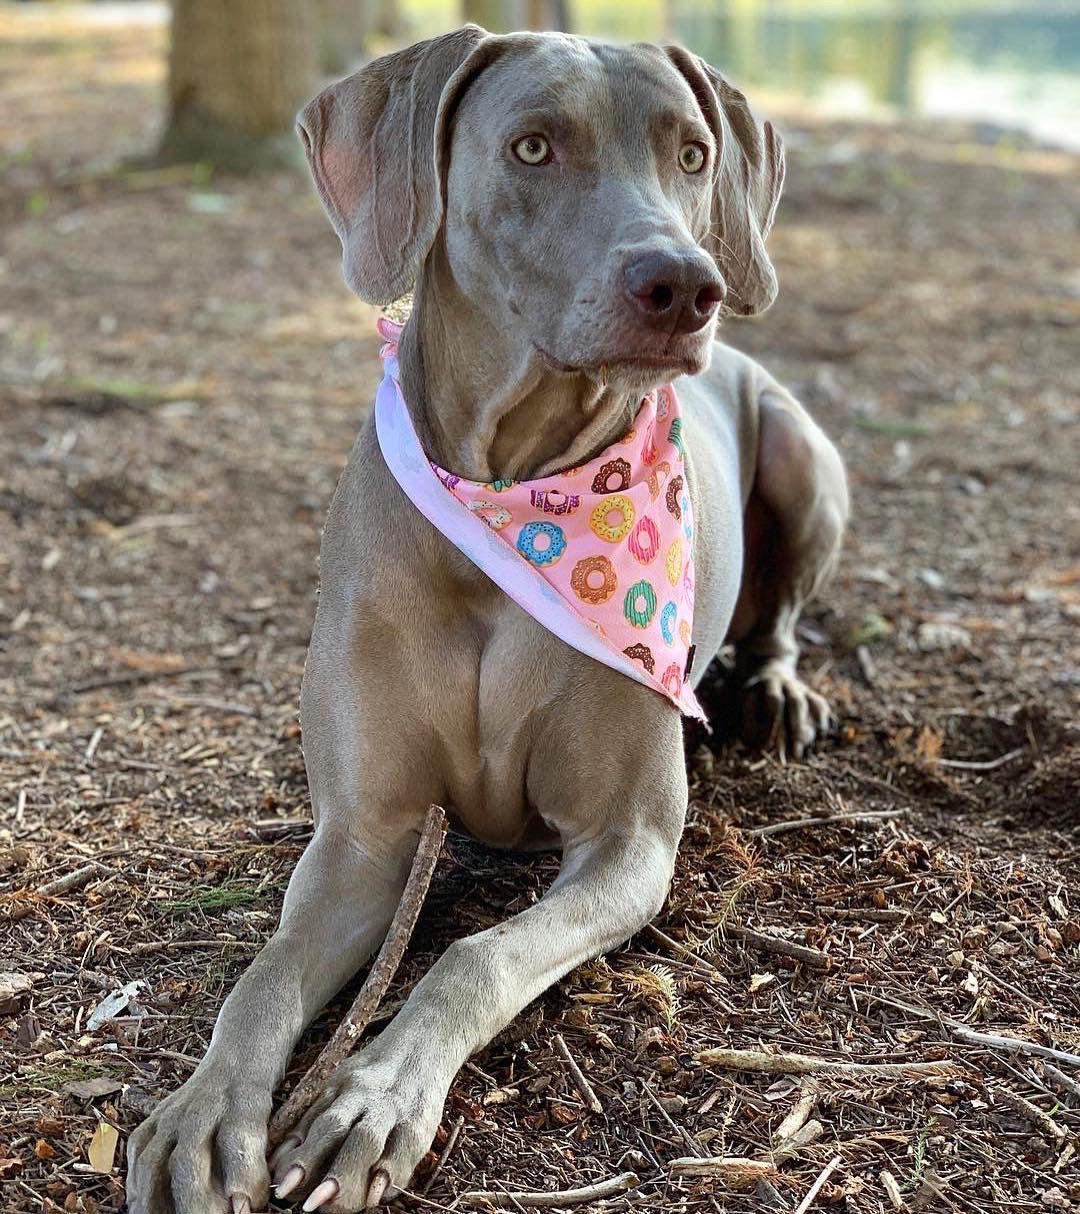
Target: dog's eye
(692, 157)
(533, 149)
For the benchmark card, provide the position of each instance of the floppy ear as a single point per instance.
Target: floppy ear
(373, 142)
(747, 180)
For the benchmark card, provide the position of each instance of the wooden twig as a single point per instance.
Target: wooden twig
(806, 1064)
(733, 1167)
(382, 971)
(812, 957)
(868, 815)
(803, 1137)
(866, 665)
(982, 764)
(62, 885)
(578, 1075)
(892, 1189)
(554, 1200)
(1060, 1080)
(447, 1151)
(1012, 1045)
(680, 949)
(818, 1185)
(796, 1119)
(1030, 1112)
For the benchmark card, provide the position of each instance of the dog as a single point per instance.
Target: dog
(575, 218)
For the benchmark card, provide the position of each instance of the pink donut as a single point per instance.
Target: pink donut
(644, 541)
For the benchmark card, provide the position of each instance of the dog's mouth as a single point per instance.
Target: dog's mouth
(681, 356)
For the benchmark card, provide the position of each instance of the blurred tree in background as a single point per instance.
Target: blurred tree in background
(238, 72)
(240, 69)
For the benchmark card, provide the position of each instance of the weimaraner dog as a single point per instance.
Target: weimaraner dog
(575, 218)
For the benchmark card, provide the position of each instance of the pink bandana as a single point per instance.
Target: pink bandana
(601, 555)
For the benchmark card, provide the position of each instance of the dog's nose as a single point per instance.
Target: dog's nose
(678, 292)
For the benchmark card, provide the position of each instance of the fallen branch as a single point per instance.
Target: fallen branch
(548, 1201)
(734, 1168)
(812, 957)
(803, 1137)
(62, 885)
(758, 1062)
(447, 1151)
(1013, 1045)
(1030, 1112)
(868, 815)
(382, 971)
(1060, 1080)
(982, 764)
(583, 1086)
(796, 1119)
(818, 1185)
(680, 950)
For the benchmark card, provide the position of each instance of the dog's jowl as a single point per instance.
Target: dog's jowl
(567, 498)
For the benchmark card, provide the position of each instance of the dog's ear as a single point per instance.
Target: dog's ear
(374, 142)
(747, 180)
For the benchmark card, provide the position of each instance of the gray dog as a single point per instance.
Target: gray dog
(575, 217)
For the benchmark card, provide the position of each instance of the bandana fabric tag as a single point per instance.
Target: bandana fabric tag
(600, 555)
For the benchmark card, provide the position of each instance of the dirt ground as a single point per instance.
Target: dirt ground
(181, 378)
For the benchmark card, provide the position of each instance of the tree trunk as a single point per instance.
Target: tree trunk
(498, 16)
(238, 72)
(343, 27)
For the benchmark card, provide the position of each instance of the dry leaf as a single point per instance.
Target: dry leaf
(12, 988)
(89, 1089)
(148, 663)
(102, 1149)
(43, 1150)
(758, 981)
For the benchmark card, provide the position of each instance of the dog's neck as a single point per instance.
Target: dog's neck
(485, 403)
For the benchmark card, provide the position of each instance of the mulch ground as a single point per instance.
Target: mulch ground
(181, 377)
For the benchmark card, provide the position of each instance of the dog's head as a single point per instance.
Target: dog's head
(606, 203)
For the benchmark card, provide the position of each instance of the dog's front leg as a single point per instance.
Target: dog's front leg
(207, 1141)
(380, 1110)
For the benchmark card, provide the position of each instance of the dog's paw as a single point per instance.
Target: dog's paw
(362, 1138)
(202, 1150)
(780, 713)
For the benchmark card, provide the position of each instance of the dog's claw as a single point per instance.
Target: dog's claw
(327, 1191)
(781, 714)
(380, 1183)
(293, 1177)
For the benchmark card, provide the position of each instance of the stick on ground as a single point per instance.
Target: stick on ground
(817, 1186)
(812, 957)
(806, 1064)
(379, 977)
(736, 1168)
(583, 1086)
(557, 1199)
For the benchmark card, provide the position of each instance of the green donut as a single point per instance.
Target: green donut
(642, 616)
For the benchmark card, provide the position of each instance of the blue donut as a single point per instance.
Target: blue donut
(667, 622)
(526, 543)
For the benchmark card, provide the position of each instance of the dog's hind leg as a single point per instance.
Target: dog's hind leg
(794, 524)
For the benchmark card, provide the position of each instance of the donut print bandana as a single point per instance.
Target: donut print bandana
(600, 555)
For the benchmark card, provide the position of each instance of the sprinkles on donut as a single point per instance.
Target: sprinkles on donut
(639, 606)
(613, 468)
(644, 541)
(643, 654)
(593, 579)
(617, 508)
(541, 543)
(672, 498)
